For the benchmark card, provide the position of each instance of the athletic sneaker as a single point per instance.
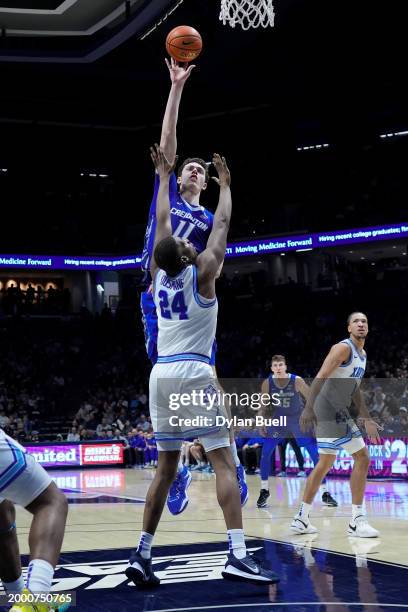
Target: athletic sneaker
(243, 487)
(263, 496)
(360, 528)
(281, 474)
(141, 573)
(177, 498)
(248, 569)
(301, 474)
(329, 500)
(301, 526)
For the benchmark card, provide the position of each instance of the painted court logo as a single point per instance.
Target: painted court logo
(110, 574)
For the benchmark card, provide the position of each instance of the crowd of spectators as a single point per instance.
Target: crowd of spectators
(91, 371)
(38, 360)
(34, 300)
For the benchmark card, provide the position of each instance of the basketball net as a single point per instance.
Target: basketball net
(247, 13)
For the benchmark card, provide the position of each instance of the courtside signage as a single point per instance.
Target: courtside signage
(77, 454)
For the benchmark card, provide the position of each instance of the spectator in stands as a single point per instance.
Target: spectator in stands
(143, 423)
(73, 435)
(83, 434)
(104, 425)
(401, 422)
(151, 454)
(138, 443)
(390, 426)
(4, 419)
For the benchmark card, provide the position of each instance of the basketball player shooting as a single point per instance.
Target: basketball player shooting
(188, 220)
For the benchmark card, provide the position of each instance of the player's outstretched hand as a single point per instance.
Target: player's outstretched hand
(163, 166)
(179, 73)
(307, 420)
(372, 428)
(224, 176)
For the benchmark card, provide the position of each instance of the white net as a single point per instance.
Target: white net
(247, 13)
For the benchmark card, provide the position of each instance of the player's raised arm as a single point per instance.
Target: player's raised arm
(163, 223)
(178, 76)
(212, 257)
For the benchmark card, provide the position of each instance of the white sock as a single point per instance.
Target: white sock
(304, 510)
(14, 587)
(39, 576)
(236, 541)
(233, 448)
(357, 511)
(145, 545)
(265, 485)
(180, 466)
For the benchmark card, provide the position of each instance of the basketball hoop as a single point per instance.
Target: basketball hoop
(247, 13)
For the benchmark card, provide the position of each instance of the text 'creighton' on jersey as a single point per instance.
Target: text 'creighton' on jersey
(187, 221)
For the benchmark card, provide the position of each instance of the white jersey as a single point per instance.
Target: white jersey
(355, 366)
(346, 378)
(187, 321)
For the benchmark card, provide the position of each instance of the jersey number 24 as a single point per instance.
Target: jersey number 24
(177, 307)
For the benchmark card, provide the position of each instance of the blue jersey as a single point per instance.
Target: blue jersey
(187, 220)
(291, 404)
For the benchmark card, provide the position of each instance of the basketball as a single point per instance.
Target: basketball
(184, 44)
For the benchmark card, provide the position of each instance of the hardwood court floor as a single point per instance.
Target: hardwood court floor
(106, 509)
(324, 572)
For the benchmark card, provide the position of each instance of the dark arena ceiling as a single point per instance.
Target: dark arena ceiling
(84, 85)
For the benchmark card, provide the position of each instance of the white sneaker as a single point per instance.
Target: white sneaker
(300, 526)
(360, 528)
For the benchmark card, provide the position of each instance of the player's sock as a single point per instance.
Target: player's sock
(357, 510)
(236, 541)
(145, 545)
(304, 510)
(39, 576)
(233, 448)
(14, 587)
(180, 466)
(265, 485)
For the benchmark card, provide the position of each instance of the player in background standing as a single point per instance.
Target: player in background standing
(289, 388)
(335, 387)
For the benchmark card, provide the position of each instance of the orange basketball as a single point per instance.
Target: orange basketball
(184, 44)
